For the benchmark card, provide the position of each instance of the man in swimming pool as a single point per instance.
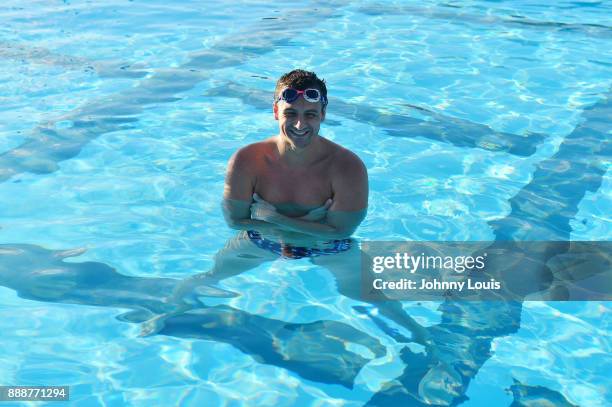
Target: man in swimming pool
(297, 181)
(294, 195)
(298, 195)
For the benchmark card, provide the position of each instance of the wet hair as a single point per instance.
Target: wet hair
(300, 80)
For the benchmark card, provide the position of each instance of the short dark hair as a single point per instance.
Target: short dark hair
(300, 80)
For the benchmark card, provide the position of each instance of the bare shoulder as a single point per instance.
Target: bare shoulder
(346, 163)
(349, 181)
(242, 169)
(247, 156)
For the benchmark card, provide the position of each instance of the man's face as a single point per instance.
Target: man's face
(299, 122)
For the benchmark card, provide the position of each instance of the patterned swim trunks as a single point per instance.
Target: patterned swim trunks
(296, 252)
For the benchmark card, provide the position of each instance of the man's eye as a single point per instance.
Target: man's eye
(311, 115)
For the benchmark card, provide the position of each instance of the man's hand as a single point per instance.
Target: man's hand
(340, 224)
(262, 210)
(317, 214)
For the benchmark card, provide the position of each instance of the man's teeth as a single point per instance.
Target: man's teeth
(297, 133)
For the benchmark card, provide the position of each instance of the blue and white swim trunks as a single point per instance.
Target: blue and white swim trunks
(296, 252)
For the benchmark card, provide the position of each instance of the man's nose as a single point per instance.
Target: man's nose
(299, 124)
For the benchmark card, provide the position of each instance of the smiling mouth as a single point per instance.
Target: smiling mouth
(299, 134)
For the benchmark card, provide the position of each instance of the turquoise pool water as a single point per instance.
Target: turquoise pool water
(476, 120)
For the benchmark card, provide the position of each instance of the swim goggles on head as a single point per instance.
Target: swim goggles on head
(312, 95)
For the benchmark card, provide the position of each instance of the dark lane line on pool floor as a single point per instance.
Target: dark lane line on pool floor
(25, 53)
(315, 351)
(542, 211)
(459, 15)
(47, 145)
(458, 132)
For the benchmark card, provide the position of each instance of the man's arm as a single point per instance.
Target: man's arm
(237, 216)
(349, 207)
(238, 192)
(340, 224)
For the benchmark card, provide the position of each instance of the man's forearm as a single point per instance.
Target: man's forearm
(309, 228)
(258, 225)
(237, 216)
(339, 224)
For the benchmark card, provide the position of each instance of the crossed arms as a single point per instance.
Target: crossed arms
(337, 218)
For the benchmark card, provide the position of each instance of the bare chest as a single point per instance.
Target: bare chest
(304, 187)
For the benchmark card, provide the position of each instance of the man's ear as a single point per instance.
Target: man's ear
(323, 113)
(275, 110)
